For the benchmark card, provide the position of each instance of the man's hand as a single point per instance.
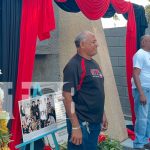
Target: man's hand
(70, 110)
(104, 123)
(143, 100)
(76, 136)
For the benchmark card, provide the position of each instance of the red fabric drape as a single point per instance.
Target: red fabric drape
(37, 19)
(61, 1)
(123, 7)
(93, 9)
(130, 50)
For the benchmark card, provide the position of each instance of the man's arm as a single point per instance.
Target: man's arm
(70, 110)
(104, 123)
(136, 73)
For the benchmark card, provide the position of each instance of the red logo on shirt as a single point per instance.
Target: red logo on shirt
(96, 73)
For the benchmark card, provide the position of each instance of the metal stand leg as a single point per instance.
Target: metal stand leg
(23, 148)
(32, 146)
(55, 141)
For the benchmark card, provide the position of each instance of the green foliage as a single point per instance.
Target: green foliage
(63, 146)
(4, 139)
(115, 17)
(4, 133)
(109, 144)
(147, 11)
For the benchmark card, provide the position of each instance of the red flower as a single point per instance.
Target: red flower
(101, 138)
(47, 148)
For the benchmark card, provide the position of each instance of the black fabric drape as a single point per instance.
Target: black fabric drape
(10, 17)
(141, 22)
(69, 6)
(110, 12)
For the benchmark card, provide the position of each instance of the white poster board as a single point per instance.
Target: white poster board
(61, 135)
(60, 109)
(37, 116)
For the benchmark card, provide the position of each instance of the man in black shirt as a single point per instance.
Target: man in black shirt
(35, 111)
(84, 96)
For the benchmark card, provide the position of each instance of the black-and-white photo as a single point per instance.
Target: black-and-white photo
(37, 115)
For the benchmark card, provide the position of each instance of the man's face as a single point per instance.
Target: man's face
(90, 45)
(146, 42)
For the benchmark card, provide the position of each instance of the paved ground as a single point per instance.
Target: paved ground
(128, 143)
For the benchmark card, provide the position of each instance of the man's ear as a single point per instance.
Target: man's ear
(82, 44)
(143, 42)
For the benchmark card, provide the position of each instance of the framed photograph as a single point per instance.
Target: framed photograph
(37, 116)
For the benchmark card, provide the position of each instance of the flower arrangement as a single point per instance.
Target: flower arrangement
(4, 133)
(104, 143)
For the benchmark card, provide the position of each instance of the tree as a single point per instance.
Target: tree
(147, 11)
(115, 18)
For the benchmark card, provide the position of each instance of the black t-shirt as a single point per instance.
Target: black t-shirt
(84, 78)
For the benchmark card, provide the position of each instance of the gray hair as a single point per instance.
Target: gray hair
(80, 37)
(1, 95)
(142, 38)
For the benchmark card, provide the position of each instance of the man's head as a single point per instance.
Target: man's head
(145, 42)
(38, 101)
(86, 44)
(33, 103)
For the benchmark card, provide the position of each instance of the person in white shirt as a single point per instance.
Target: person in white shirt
(27, 110)
(43, 119)
(42, 104)
(141, 94)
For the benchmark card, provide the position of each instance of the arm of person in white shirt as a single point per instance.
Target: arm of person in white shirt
(136, 73)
